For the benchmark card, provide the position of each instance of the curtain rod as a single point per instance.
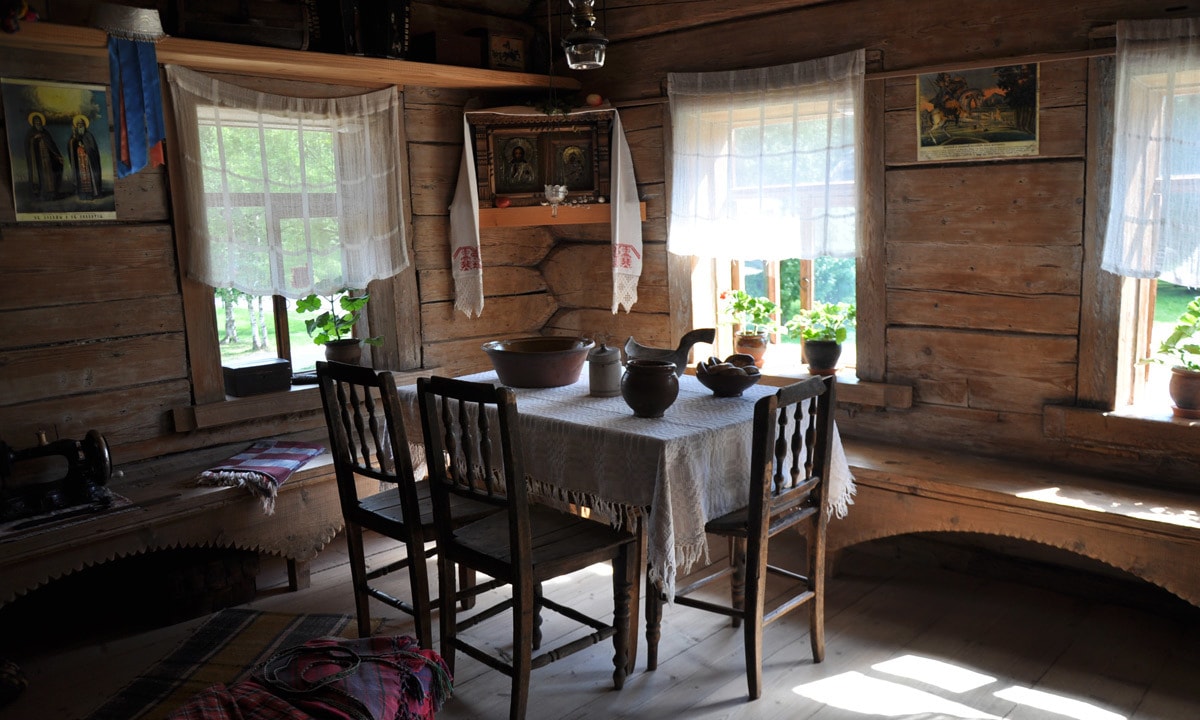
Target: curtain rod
(974, 64)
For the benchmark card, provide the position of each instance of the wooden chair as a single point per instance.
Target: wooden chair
(367, 439)
(473, 446)
(790, 460)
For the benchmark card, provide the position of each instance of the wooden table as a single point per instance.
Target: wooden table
(676, 472)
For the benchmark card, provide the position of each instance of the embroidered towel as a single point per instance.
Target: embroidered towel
(626, 220)
(262, 468)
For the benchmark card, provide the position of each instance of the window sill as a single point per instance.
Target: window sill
(852, 391)
(298, 399)
(1131, 427)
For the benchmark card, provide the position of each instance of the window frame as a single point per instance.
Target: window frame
(394, 305)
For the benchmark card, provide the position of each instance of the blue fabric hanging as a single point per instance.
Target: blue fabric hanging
(133, 69)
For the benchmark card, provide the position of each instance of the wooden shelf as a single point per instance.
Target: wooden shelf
(279, 63)
(592, 213)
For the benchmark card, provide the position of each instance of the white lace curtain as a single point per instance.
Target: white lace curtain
(289, 196)
(765, 160)
(1154, 214)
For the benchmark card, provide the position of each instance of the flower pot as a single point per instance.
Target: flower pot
(822, 356)
(348, 351)
(752, 344)
(1185, 392)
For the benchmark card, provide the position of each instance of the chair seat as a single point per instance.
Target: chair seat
(382, 512)
(561, 542)
(736, 523)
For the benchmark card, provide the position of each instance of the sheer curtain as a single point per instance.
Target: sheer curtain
(1154, 214)
(764, 160)
(289, 196)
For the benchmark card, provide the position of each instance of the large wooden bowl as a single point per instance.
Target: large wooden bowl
(538, 362)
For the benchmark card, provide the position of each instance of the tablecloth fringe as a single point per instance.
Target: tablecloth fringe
(619, 515)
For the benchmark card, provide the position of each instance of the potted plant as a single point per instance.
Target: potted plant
(1181, 350)
(823, 328)
(336, 331)
(755, 315)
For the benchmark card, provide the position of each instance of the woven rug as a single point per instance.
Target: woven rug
(223, 650)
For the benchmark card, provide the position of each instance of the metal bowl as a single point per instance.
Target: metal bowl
(538, 362)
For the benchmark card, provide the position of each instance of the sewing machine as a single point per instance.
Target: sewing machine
(89, 467)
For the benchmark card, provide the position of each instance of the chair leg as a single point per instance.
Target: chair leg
(358, 577)
(737, 584)
(755, 600)
(524, 608)
(537, 616)
(625, 574)
(418, 581)
(816, 581)
(448, 614)
(653, 621)
(466, 579)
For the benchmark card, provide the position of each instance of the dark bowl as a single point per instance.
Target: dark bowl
(538, 362)
(730, 385)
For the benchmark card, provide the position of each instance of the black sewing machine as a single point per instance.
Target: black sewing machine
(89, 467)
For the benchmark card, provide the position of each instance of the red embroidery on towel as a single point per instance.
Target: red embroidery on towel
(467, 258)
(624, 254)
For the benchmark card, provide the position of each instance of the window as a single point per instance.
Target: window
(764, 178)
(1153, 230)
(287, 197)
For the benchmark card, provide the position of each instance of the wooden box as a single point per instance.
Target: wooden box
(257, 376)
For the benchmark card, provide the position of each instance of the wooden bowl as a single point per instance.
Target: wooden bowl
(538, 362)
(731, 385)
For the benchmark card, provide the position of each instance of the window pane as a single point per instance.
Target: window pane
(245, 326)
(305, 353)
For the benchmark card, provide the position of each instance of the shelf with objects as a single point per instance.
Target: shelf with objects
(268, 62)
(531, 168)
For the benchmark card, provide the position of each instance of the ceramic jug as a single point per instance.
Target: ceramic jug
(604, 371)
(649, 387)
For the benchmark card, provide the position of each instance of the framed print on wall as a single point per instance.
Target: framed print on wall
(60, 150)
(978, 114)
(506, 52)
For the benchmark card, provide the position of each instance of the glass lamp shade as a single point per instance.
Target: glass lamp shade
(586, 53)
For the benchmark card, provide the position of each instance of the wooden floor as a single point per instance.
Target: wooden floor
(904, 640)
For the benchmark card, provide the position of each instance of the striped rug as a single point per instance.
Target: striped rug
(223, 650)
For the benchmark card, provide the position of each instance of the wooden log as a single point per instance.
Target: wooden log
(1001, 203)
(92, 321)
(649, 329)
(1038, 314)
(123, 416)
(580, 276)
(502, 317)
(434, 115)
(438, 285)
(136, 262)
(453, 358)
(990, 371)
(47, 372)
(646, 149)
(1036, 270)
(432, 175)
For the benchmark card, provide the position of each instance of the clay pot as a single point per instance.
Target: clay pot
(348, 351)
(822, 356)
(1185, 392)
(752, 344)
(649, 387)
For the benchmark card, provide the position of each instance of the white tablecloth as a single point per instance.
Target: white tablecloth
(678, 471)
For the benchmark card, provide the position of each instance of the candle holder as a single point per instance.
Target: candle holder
(555, 194)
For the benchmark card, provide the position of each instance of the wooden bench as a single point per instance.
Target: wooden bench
(1151, 533)
(169, 510)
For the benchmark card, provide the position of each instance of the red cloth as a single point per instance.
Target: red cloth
(383, 678)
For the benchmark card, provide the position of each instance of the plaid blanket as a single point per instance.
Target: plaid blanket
(374, 678)
(262, 468)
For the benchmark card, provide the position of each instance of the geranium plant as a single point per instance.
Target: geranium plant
(330, 326)
(755, 314)
(824, 321)
(1182, 347)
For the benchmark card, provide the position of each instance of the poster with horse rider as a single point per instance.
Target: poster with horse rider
(979, 113)
(60, 148)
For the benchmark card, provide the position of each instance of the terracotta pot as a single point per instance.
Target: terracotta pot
(752, 344)
(348, 351)
(649, 387)
(1185, 392)
(822, 356)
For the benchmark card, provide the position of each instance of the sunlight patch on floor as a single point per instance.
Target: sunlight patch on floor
(944, 675)
(859, 693)
(1067, 707)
